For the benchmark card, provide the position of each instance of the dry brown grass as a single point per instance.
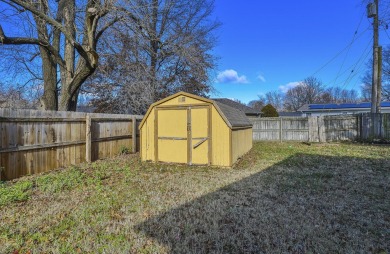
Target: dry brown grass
(287, 197)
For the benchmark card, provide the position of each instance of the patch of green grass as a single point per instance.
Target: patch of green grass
(19, 191)
(61, 181)
(124, 150)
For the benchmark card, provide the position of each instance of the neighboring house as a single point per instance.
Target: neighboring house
(249, 112)
(340, 109)
(85, 109)
(290, 114)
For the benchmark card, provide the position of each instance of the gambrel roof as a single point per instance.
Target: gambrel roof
(234, 104)
(236, 117)
(233, 117)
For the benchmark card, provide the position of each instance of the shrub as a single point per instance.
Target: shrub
(269, 111)
(124, 150)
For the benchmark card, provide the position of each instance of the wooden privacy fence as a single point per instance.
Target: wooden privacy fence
(33, 141)
(375, 126)
(323, 128)
(275, 128)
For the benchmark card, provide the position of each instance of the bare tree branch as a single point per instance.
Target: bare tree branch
(106, 26)
(21, 40)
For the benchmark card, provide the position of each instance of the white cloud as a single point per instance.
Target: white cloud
(261, 78)
(285, 87)
(231, 76)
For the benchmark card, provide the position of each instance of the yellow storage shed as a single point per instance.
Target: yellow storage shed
(185, 128)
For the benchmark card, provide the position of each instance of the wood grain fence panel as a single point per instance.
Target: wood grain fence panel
(339, 128)
(33, 141)
(314, 129)
(266, 128)
(386, 126)
(295, 129)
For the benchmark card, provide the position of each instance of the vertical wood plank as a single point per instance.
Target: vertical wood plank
(281, 129)
(155, 134)
(88, 139)
(313, 129)
(134, 134)
(322, 129)
(210, 131)
(189, 137)
(230, 147)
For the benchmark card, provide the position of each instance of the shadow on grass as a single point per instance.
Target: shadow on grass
(306, 203)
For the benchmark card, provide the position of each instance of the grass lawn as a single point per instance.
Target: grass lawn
(281, 197)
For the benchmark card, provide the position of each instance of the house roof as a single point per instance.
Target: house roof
(289, 113)
(247, 110)
(86, 109)
(233, 117)
(340, 106)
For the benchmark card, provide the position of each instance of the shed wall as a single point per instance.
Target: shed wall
(220, 140)
(147, 138)
(241, 143)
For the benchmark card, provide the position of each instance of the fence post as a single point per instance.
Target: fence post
(359, 126)
(313, 128)
(321, 129)
(280, 129)
(134, 134)
(88, 139)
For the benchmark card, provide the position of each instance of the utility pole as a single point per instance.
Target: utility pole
(372, 12)
(379, 89)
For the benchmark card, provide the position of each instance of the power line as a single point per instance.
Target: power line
(361, 60)
(353, 39)
(339, 53)
(387, 33)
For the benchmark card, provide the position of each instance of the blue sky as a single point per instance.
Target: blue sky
(271, 45)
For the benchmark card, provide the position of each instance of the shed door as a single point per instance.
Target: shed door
(183, 135)
(199, 145)
(172, 135)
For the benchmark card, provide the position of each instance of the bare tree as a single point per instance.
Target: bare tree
(14, 98)
(257, 104)
(307, 92)
(339, 95)
(275, 98)
(66, 35)
(164, 47)
(367, 78)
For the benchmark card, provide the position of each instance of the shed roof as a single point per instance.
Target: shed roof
(233, 117)
(236, 117)
(247, 110)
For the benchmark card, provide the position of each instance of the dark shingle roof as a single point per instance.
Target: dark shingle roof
(289, 113)
(236, 117)
(86, 109)
(247, 110)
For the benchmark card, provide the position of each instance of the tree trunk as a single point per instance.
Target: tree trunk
(154, 53)
(49, 69)
(74, 77)
(48, 101)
